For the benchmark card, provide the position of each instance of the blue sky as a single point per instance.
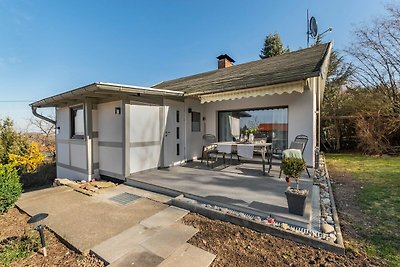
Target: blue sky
(47, 47)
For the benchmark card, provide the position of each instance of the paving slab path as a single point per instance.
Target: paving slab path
(143, 232)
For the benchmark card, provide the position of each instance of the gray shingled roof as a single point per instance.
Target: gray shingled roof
(294, 66)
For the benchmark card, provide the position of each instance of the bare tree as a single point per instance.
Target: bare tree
(46, 128)
(46, 135)
(376, 50)
(375, 132)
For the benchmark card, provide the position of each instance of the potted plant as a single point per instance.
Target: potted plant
(296, 198)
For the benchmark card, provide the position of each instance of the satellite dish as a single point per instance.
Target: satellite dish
(313, 27)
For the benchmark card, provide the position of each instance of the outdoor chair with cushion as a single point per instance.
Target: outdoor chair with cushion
(299, 144)
(302, 138)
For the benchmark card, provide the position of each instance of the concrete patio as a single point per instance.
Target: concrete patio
(238, 185)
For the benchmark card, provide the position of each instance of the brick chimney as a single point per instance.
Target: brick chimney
(225, 61)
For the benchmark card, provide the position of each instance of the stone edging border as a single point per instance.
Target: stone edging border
(333, 206)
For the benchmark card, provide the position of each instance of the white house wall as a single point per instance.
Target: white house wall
(78, 155)
(71, 174)
(146, 133)
(194, 141)
(300, 114)
(71, 153)
(110, 139)
(63, 153)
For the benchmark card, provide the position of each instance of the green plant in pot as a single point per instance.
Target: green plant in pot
(293, 168)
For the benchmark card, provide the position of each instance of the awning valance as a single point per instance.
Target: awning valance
(289, 88)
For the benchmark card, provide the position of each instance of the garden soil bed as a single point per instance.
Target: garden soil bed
(239, 246)
(14, 224)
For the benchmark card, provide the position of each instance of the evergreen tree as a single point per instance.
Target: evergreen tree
(11, 142)
(273, 46)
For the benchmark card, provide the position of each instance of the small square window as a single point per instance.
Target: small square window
(196, 122)
(77, 123)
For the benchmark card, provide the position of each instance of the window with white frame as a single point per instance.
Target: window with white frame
(77, 123)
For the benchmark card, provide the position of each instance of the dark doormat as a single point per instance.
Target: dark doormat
(124, 198)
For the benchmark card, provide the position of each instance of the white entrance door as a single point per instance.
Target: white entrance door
(174, 135)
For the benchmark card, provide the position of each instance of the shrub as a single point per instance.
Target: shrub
(10, 187)
(28, 162)
(293, 167)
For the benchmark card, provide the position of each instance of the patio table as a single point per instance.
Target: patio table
(263, 148)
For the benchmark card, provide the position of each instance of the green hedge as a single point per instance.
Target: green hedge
(10, 187)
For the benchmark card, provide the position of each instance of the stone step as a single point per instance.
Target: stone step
(164, 218)
(117, 246)
(147, 194)
(167, 240)
(138, 256)
(188, 255)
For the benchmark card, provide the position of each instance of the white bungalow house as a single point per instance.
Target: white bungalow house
(117, 130)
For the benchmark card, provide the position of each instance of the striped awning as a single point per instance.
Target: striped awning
(279, 89)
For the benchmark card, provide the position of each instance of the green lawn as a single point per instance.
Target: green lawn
(379, 199)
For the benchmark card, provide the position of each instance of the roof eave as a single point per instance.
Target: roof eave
(326, 59)
(113, 88)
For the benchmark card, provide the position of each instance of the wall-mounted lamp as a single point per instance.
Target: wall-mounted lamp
(204, 118)
(189, 110)
(58, 130)
(117, 111)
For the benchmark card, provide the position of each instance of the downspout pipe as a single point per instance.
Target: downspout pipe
(40, 116)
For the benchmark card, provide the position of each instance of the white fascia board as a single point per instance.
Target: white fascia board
(145, 90)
